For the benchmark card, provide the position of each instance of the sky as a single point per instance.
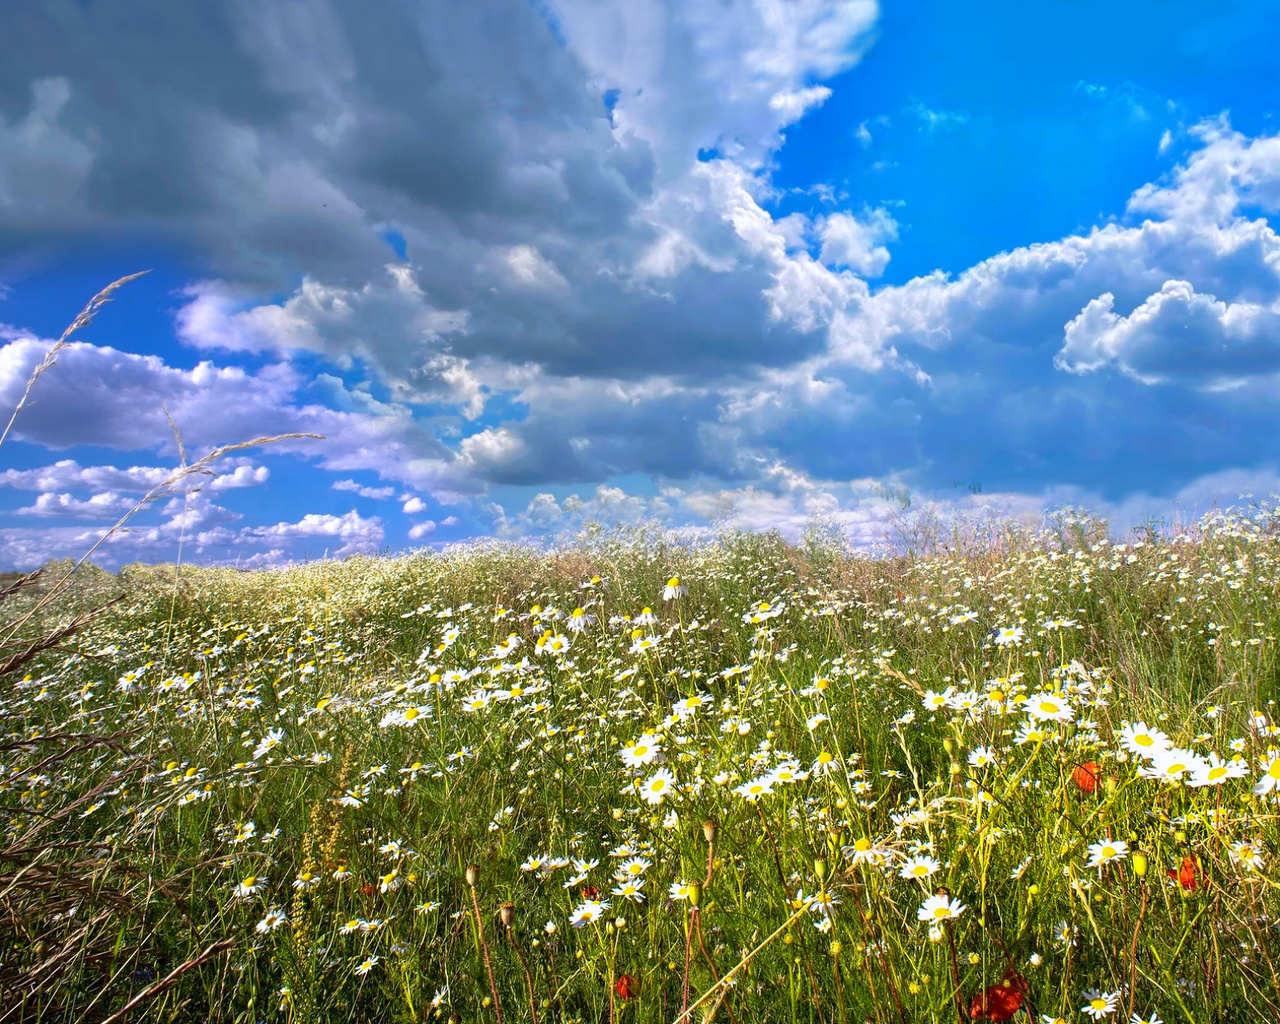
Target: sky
(525, 264)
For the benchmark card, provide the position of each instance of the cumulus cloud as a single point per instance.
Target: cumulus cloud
(1177, 334)
(576, 274)
(372, 493)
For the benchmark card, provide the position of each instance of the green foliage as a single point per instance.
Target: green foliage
(305, 760)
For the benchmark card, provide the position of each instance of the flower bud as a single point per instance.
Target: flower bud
(695, 894)
(709, 830)
(1140, 863)
(820, 869)
(473, 874)
(949, 745)
(508, 914)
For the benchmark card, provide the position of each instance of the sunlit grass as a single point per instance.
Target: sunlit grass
(763, 782)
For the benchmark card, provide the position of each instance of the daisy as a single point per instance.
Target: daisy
(631, 890)
(1215, 771)
(588, 911)
(1270, 778)
(1247, 854)
(1138, 739)
(1106, 851)
(1099, 1004)
(633, 867)
(939, 908)
(1048, 707)
(657, 786)
(678, 891)
(249, 886)
(755, 789)
(919, 867)
(1007, 635)
(981, 757)
(579, 620)
(643, 751)
(367, 965)
(1172, 764)
(272, 920)
(673, 589)
(689, 706)
(934, 701)
(788, 771)
(268, 743)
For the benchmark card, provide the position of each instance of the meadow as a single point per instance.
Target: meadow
(1032, 776)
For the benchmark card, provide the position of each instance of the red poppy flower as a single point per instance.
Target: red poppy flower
(1001, 1001)
(590, 892)
(1186, 875)
(367, 888)
(625, 986)
(1085, 777)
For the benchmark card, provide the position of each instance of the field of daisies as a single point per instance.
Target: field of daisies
(633, 779)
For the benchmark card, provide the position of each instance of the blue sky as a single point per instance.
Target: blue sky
(527, 264)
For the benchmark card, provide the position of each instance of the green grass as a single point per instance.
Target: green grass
(139, 784)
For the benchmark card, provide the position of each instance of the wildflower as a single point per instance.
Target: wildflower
(272, 920)
(1270, 778)
(579, 620)
(673, 589)
(1106, 851)
(1065, 934)
(1099, 1004)
(657, 786)
(1185, 875)
(919, 867)
(631, 890)
(646, 617)
(1007, 635)
(268, 743)
(1172, 764)
(367, 965)
(1153, 1019)
(1138, 739)
(934, 701)
(643, 751)
(1214, 771)
(391, 881)
(1247, 854)
(788, 772)
(249, 886)
(762, 611)
(633, 867)
(678, 891)
(981, 757)
(306, 880)
(1085, 777)
(755, 789)
(588, 911)
(1001, 1001)
(1048, 707)
(626, 985)
(940, 908)
(683, 709)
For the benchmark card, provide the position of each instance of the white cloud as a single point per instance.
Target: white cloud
(1175, 334)
(424, 529)
(372, 493)
(413, 506)
(857, 243)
